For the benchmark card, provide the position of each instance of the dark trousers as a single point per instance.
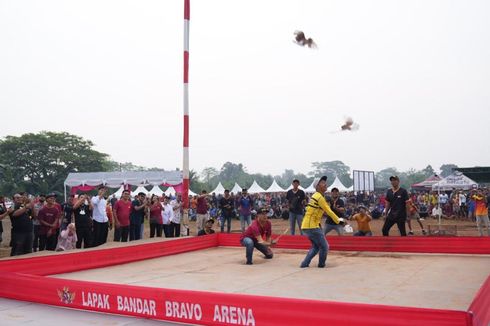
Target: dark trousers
(21, 243)
(389, 222)
(84, 234)
(48, 243)
(226, 219)
(121, 234)
(100, 233)
(175, 229)
(35, 242)
(134, 231)
(156, 228)
(167, 231)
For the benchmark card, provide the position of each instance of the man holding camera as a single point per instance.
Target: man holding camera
(100, 219)
(137, 216)
(21, 217)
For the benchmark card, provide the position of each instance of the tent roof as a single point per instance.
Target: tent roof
(255, 188)
(140, 189)
(456, 180)
(311, 189)
(274, 187)
(119, 192)
(219, 190)
(156, 191)
(427, 183)
(236, 189)
(116, 179)
(478, 173)
(338, 184)
(170, 191)
(291, 187)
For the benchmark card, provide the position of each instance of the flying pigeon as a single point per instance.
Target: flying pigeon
(349, 125)
(300, 39)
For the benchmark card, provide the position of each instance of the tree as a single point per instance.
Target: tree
(207, 174)
(382, 178)
(40, 162)
(332, 169)
(428, 171)
(447, 169)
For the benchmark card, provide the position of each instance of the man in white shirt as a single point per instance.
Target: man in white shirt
(167, 216)
(100, 219)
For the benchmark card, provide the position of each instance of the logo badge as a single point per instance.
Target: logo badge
(66, 296)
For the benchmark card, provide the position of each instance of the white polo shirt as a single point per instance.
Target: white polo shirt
(99, 214)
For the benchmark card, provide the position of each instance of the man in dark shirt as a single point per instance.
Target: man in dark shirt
(3, 213)
(396, 207)
(67, 213)
(82, 210)
(226, 206)
(296, 199)
(22, 227)
(338, 207)
(137, 216)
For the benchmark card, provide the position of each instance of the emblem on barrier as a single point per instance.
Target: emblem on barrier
(66, 296)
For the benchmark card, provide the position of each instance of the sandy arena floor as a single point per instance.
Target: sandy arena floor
(415, 280)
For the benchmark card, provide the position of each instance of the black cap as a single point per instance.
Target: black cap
(394, 177)
(244, 190)
(262, 210)
(141, 194)
(324, 178)
(210, 220)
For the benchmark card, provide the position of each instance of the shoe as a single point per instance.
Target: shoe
(303, 266)
(410, 233)
(249, 263)
(321, 266)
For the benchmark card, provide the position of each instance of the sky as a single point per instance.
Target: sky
(415, 75)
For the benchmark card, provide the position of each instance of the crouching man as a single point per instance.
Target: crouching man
(258, 235)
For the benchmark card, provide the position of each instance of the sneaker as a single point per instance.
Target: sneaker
(410, 233)
(303, 266)
(249, 263)
(321, 266)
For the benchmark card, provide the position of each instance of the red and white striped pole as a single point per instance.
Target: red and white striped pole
(185, 170)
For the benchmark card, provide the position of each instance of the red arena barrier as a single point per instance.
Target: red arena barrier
(26, 279)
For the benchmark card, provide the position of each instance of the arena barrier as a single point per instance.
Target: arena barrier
(27, 279)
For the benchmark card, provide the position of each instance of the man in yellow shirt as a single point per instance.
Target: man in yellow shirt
(311, 224)
(363, 219)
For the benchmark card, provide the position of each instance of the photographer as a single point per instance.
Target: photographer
(83, 221)
(137, 217)
(21, 217)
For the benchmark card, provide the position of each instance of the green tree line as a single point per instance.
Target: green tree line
(40, 162)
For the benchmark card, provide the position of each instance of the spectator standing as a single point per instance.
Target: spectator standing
(67, 212)
(137, 216)
(297, 200)
(121, 213)
(481, 212)
(202, 210)
(245, 204)
(167, 215)
(226, 205)
(175, 220)
(338, 207)
(100, 219)
(22, 228)
(396, 207)
(41, 201)
(49, 217)
(82, 209)
(156, 223)
(3, 214)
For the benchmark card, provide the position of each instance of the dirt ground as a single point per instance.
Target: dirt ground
(464, 228)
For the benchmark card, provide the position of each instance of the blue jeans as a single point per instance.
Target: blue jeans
(245, 219)
(226, 219)
(249, 245)
(337, 227)
(295, 218)
(363, 234)
(318, 245)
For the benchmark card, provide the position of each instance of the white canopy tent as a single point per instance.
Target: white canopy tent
(119, 192)
(156, 191)
(219, 190)
(236, 189)
(456, 180)
(138, 190)
(192, 193)
(274, 187)
(170, 192)
(339, 185)
(255, 188)
(311, 189)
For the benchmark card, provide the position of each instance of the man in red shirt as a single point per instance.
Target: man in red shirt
(121, 212)
(202, 210)
(49, 218)
(258, 235)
